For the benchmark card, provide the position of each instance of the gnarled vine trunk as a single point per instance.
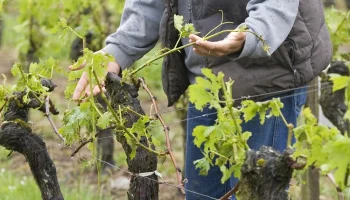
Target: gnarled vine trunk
(16, 135)
(265, 175)
(333, 103)
(121, 96)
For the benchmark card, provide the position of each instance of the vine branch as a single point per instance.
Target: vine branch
(230, 193)
(339, 190)
(192, 43)
(88, 141)
(166, 131)
(48, 116)
(290, 127)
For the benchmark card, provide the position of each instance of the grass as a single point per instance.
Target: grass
(20, 185)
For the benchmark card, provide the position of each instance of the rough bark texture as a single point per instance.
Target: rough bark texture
(124, 95)
(265, 175)
(17, 135)
(105, 148)
(333, 103)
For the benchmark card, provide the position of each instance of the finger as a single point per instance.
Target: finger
(207, 45)
(96, 90)
(74, 67)
(83, 81)
(194, 38)
(87, 90)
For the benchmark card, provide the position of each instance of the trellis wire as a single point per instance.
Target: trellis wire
(205, 115)
(259, 95)
(118, 168)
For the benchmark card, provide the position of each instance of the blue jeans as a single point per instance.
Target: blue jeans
(273, 133)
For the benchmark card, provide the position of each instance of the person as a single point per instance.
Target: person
(299, 49)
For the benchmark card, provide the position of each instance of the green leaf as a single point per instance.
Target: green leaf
(104, 121)
(276, 105)
(249, 108)
(133, 145)
(339, 82)
(76, 119)
(206, 90)
(187, 30)
(46, 68)
(309, 117)
(61, 28)
(140, 127)
(199, 136)
(68, 92)
(203, 165)
(16, 69)
(184, 30)
(199, 96)
(178, 22)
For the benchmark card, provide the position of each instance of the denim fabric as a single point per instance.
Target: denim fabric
(273, 133)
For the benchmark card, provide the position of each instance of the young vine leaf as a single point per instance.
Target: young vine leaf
(206, 91)
(96, 62)
(28, 82)
(184, 29)
(251, 108)
(323, 147)
(338, 23)
(225, 142)
(75, 120)
(46, 68)
(139, 129)
(104, 121)
(61, 28)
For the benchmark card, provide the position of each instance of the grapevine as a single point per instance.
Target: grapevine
(224, 144)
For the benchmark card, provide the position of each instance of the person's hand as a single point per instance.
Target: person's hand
(234, 42)
(83, 88)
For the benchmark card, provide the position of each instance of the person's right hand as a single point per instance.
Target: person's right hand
(82, 88)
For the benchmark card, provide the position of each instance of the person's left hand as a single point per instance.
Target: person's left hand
(234, 42)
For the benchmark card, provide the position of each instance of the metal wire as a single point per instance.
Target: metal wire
(205, 115)
(118, 168)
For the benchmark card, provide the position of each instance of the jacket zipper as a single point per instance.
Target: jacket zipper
(190, 11)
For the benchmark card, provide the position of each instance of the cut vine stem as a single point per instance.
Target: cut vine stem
(166, 131)
(48, 116)
(192, 43)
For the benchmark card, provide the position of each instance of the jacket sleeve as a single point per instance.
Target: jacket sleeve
(138, 31)
(273, 19)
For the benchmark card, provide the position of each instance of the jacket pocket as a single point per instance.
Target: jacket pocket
(287, 55)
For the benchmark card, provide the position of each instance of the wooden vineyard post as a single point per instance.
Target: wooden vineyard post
(311, 189)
